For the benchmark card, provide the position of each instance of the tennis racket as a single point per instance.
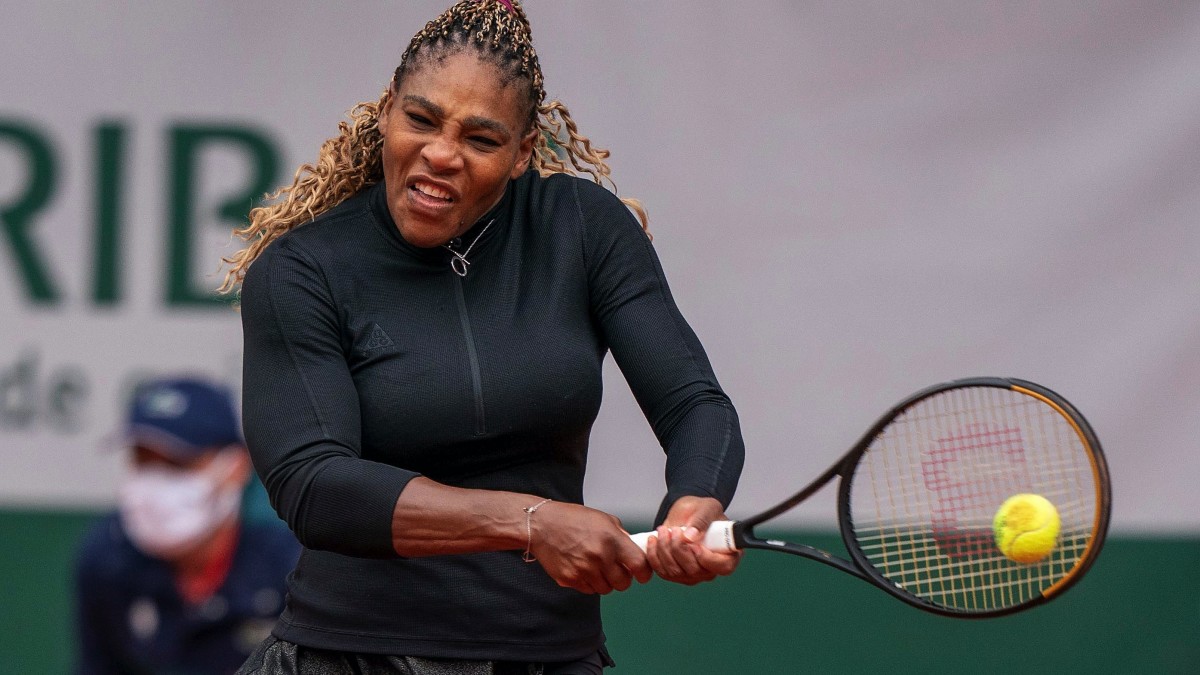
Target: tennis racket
(919, 491)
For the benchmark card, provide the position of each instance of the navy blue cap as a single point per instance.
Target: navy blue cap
(184, 417)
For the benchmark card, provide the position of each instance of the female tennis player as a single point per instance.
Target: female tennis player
(425, 311)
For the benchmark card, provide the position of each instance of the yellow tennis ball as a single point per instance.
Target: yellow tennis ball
(1026, 528)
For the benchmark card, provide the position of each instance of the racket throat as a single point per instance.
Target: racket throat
(803, 551)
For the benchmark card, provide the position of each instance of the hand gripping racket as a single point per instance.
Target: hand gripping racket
(919, 491)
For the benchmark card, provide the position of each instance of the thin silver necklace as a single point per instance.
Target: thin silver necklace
(459, 262)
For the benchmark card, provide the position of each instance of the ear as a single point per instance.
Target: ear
(524, 153)
(385, 112)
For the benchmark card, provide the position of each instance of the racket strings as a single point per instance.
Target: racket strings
(926, 491)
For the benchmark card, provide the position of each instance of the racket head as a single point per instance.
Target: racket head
(919, 493)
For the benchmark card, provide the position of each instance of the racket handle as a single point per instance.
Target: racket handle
(719, 537)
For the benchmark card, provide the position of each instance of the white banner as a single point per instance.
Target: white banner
(851, 200)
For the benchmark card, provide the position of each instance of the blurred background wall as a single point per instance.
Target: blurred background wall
(852, 200)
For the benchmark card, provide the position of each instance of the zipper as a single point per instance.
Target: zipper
(472, 356)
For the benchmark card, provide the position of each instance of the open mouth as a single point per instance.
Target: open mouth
(431, 192)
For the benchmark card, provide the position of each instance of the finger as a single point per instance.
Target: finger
(588, 587)
(695, 533)
(679, 558)
(720, 562)
(697, 574)
(654, 555)
(599, 584)
(666, 567)
(636, 562)
(579, 581)
(575, 585)
(691, 560)
(687, 556)
(618, 578)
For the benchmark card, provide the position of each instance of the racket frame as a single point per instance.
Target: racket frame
(860, 566)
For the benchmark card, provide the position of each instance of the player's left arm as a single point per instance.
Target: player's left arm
(672, 379)
(658, 353)
(670, 375)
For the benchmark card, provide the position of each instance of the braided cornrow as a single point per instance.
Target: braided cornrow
(499, 30)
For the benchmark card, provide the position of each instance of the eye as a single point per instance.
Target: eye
(419, 120)
(485, 141)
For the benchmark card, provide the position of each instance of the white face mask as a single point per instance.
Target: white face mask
(167, 512)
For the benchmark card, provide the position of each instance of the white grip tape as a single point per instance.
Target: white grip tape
(719, 537)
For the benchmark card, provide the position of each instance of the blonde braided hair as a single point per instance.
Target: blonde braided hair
(350, 161)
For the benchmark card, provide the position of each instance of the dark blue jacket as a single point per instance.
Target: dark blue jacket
(131, 619)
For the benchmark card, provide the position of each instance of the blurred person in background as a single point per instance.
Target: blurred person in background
(176, 580)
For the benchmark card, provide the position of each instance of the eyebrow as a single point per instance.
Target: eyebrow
(474, 121)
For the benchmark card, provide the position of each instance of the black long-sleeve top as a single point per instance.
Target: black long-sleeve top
(368, 361)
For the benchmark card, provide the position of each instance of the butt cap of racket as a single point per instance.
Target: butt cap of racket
(719, 537)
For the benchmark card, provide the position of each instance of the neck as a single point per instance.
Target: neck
(199, 574)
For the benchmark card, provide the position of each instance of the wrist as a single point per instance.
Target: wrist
(691, 510)
(528, 555)
(434, 519)
(681, 495)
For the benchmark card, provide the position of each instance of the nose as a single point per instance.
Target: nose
(442, 154)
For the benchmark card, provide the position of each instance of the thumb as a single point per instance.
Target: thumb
(695, 514)
(694, 534)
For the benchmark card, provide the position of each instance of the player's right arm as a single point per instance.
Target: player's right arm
(579, 547)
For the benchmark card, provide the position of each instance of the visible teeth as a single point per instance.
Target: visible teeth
(431, 191)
